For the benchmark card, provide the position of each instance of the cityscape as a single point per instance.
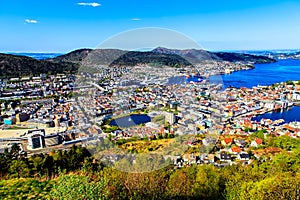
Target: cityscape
(149, 113)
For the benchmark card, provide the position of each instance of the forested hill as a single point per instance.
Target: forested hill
(16, 66)
(120, 57)
(159, 55)
(198, 55)
(75, 174)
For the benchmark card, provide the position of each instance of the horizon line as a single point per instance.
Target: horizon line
(212, 50)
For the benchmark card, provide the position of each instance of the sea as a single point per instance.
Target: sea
(38, 56)
(290, 114)
(262, 74)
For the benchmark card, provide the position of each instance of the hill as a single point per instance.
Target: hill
(159, 55)
(16, 66)
(133, 58)
(196, 56)
(120, 57)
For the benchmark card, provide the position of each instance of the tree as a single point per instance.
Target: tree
(15, 152)
(207, 183)
(18, 168)
(284, 142)
(281, 186)
(180, 183)
(289, 82)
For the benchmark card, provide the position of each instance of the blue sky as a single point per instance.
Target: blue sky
(65, 25)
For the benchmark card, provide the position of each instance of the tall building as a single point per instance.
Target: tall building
(170, 117)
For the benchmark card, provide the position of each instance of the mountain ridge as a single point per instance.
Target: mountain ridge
(17, 65)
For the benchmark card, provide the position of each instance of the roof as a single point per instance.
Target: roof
(225, 156)
(244, 155)
(228, 140)
(236, 149)
(258, 141)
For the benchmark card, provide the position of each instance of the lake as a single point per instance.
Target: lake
(130, 120)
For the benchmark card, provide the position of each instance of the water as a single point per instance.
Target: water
(38, 56)
(131, 120)
(289, 115)
(184, 79)
(263, 74)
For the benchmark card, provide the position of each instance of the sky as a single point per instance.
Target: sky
(66, 25)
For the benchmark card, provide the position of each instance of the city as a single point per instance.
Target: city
(150, 100)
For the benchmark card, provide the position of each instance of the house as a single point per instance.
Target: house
(256, 142)
(235, 150)
(207, 158)
(243, 156)
(240, 142)
(225, 157)
(227, 141)
(179, 161)
(209, 141)
(296, 96)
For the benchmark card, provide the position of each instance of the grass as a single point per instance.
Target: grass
(17, 128)
(143, 146)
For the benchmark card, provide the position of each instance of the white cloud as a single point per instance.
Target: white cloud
(31, 21)
(93, 4)
(136, 19)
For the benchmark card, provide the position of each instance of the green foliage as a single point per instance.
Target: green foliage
(24, 189)
(18, 168)
(278, 178)
(16, 164)
(284, 142)
(73, 187)
(290, 82)
(133, 58)
(17, 66)
(159, 119)
(109, 129)
(281, 186)
(247, 129)
(260, 134)
(208, 183)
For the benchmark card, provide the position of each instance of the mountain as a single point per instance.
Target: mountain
(133, 58)
(159, 55)
(16, 66)
(118, 57)
(73, 56)
(196, 56)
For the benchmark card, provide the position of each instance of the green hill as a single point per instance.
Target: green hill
(16, 66)
(198, 55)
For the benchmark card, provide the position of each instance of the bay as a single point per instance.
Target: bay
(262, 74)
(289, 115)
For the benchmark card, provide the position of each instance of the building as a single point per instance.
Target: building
(170, 118)
(36, 139)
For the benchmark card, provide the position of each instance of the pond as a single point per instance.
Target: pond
(130, 120)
